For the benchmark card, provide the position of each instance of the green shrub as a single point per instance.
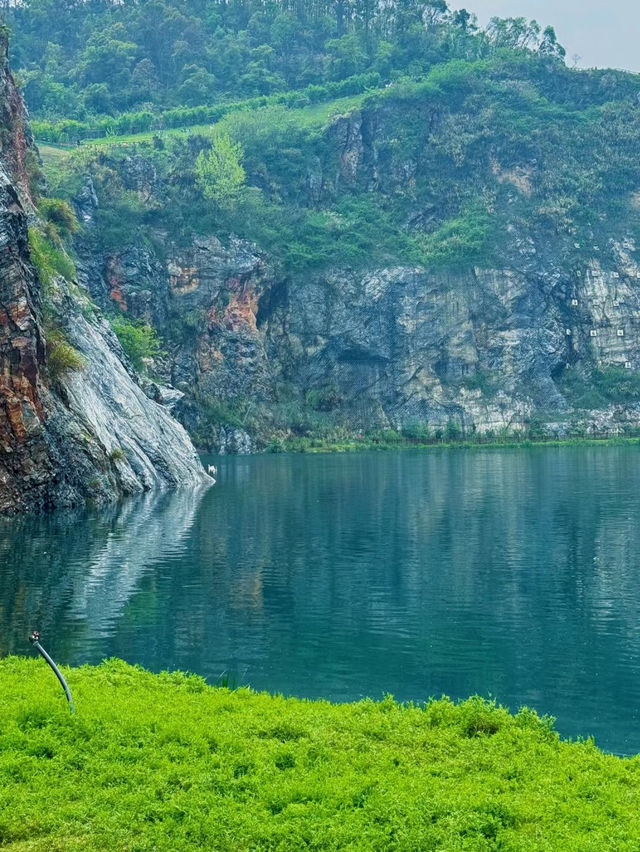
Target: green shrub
(463, 241)
(49, 259)
(219, 172)
(617, 384)
(138, 339)
(324, 399)
(417, 431)
(61, 356)
(609, 385)
(59, 215)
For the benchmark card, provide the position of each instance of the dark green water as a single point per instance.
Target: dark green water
(512, 573)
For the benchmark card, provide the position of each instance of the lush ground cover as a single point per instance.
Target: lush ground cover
(306, 114)
(164, 762)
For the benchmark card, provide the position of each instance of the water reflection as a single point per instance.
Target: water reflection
(83, 568)
(513, 573)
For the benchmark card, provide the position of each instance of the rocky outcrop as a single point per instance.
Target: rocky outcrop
(112, 436)
(26, 466)
(545, 335)
(17, 150)
(87, 433)
(206, 300)
(401, 347)
(481, 350)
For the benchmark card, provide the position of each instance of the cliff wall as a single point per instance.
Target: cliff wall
(89, 433)
(456, 254)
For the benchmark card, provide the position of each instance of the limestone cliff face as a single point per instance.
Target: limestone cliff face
(89, 434)
(477, 348)
(401, 346)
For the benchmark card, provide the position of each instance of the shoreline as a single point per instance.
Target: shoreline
(317, 445)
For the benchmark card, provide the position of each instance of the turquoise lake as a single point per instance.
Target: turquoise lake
(509, 573)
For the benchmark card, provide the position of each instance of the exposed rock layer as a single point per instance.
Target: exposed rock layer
(91, 433)
(482, 349)
(517, 343)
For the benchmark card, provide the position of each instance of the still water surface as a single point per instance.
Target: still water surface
(512, 573)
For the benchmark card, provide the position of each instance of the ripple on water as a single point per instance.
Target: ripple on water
(510, 573)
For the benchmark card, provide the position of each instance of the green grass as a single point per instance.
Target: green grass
(314, 115)
(53, 154)
(49, 258)
(164, 762)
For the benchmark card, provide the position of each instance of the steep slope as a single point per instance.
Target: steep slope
(456, 254)
(71, 435)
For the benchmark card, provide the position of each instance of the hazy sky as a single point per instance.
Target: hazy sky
(604, 34)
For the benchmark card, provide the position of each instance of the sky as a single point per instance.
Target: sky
(604, 34)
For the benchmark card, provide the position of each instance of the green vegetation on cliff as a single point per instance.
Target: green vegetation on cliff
(101, 59)
(165, 762)
(139, 340)
(432, 171)
(392, 145)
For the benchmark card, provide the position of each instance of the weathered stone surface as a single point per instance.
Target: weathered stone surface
(481, 349)
(477, 349)
(26, 469)
(126, 441)
(233, 440)
(87, 434)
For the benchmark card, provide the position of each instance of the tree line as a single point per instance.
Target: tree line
(85, 58)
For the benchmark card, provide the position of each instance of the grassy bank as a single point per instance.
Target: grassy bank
(164, 762)
(321, 445)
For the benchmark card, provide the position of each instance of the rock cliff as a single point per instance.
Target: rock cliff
(485, 349)
(466, 350)
(84, 434)
(467, 262)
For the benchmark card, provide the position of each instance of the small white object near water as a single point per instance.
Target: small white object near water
(616, 303)
(620, 332)
(593, 332)
(627, 365)
(574, 302)
(567, 331)
(615, 275)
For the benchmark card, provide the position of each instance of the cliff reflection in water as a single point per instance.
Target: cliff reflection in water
(72, 575)
(514, 573)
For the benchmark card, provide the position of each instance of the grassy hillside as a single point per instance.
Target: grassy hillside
(432, 172)
(164, 762)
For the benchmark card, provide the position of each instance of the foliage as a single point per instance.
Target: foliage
(414, 435)
(166, 762)
(127, 124)
(138, 339)
(601, 387)
(100, 60)
(60, 218)
(461, 134)
(462, 241)
(49, 258)
(219, 172)
(515, 140)
(61, 356)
